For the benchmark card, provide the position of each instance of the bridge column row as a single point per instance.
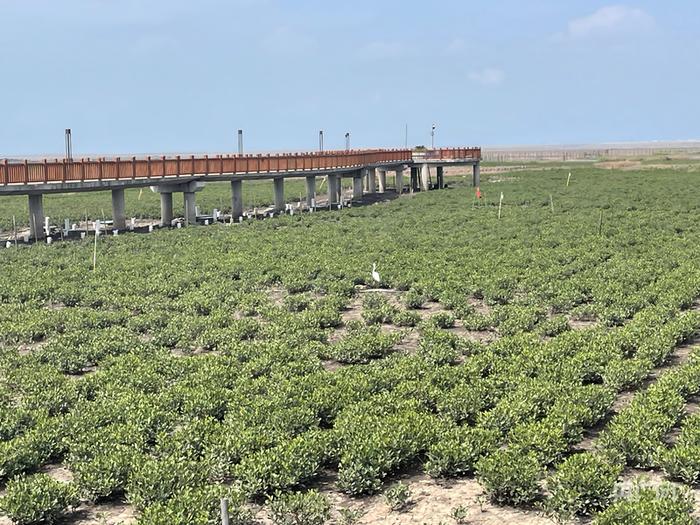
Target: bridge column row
(364, 180)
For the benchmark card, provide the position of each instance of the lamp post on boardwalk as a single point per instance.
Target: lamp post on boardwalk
(320, 141)
(240, 141)
(69, 146)
(432, 137)
(347, 141)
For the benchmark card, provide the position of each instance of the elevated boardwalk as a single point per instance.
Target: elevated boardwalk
(177, 174)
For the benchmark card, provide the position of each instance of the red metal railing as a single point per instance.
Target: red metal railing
(46, 171)
(451, 153)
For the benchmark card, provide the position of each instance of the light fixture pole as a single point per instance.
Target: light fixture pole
(347, 141)
(240, 142)
(320, 141)
(432, 137)
(69, 146)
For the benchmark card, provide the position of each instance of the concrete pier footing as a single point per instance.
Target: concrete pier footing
(310, 190)
(236, 199)
(371, 180)
(278, 185)
(381, 179)
(333, 181)
(476, 175)
(190, 208)
(399, 181)
(166, 203)
(414, 178)
(36, 216)
(118, 213)
(166, 209)
(357, 186)
(424, 177)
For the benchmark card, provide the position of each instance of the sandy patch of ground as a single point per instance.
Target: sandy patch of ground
(105, 513)
(58, 472)
(431, 503)
(582, 324)
(277, 295)
(28, 348)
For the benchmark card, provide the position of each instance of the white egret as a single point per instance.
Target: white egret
(375, 274)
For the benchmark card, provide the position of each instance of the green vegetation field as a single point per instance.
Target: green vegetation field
(546, 355)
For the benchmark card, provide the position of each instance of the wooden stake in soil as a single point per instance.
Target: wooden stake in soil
(500, 205)
(568, 179)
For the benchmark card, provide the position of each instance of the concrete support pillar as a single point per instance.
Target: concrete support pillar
(476, 175)
(440, 177)
(118, 214)
(166, 209)
(190, 210)
(381, 177)
(424, 177)
(333, 181)
(414, 178)
(399, 181)
(310, 190)
(36, 216)
(188, 190)
(236, 199)
(371, 180)
(278, 185)
(357, 186)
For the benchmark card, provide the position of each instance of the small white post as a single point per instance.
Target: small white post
(551, 203)
(133, 223)
(206, 222)
(150, 228)
(94, 251)
(240, 219)
(224, 512)
(49, 240)
(82, 235)
(8, 244)
(46, 225)
(500, 205)
(568, 179)
(179, 225)
(115, 232)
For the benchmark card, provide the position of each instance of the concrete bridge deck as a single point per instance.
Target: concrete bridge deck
(175, 174)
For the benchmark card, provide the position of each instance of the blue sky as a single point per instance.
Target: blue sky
(184, 75)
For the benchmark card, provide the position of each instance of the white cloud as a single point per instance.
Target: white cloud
(287, 41)
(456, 46)
(380, 50)
(488, 77)
(611, 20)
